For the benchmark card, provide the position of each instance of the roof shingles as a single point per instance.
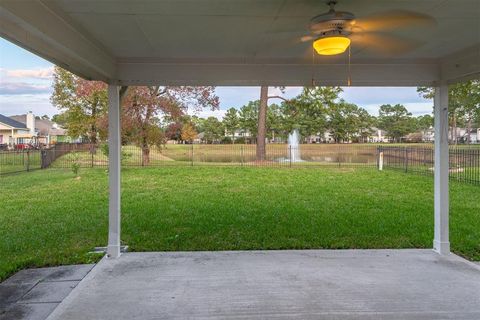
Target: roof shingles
(12, 123)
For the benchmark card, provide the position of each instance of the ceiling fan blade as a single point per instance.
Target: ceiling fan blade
(383, 44)
(393, 19)
(307, 38)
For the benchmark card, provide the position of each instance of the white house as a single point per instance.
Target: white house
(12, 132)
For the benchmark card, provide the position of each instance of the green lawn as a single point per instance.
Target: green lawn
(48, 218)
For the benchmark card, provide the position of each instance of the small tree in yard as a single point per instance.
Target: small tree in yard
(75, 163)
(188, 132)
(124, 156)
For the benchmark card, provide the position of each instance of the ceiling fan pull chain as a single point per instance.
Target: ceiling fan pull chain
(349, 79)
(313, 68)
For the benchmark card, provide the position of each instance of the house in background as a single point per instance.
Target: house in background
(46, 131)
(13, 132)
(26, 129)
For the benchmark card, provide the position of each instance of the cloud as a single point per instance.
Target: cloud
(43, 74)
(381, 95)
(39, 104)
(16, 88)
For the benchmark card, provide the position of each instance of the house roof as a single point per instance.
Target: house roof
(43, 126)
(12, 122)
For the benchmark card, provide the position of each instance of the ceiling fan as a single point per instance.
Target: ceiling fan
(334, 31)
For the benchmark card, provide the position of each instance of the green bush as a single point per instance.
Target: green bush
(226, 140)
(124, 155)
(240, 140)
(75, 163)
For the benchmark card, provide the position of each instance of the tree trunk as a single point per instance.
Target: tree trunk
(262, 123)
(145, 155)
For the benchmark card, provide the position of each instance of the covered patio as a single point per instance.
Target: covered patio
(253, 43)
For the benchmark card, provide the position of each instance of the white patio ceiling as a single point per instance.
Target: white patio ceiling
(235, 42)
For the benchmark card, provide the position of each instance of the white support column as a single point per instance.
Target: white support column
(114, 146)
(441, 243)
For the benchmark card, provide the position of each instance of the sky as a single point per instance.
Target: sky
(26, 85)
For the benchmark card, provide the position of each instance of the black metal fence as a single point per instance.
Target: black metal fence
(276, 155)
(464, 161)
(33, 159)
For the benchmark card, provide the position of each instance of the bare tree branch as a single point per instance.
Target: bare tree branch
(278, 97)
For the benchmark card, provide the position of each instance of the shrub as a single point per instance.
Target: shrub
(75, 163)
(240, 140)
(124, 155)
(226, 140)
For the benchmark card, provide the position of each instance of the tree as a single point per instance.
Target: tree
(188, 132)
(346, 121)
(463, 105)
(465, 97)
(364, 125)
(396, 121)
(248, 118)
(197, 123)
(231, 122)
(213, 130)
(308, 111)
(262, 121)
(262, 124)
(60, 119)
(424, 123)
(83, 104)
(275, 122)
(143, 106)
(174, 131)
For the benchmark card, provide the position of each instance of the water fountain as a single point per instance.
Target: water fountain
(294, 146)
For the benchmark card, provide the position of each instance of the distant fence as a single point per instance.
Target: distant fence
(464, 161)
(33, 159)
(277, 155)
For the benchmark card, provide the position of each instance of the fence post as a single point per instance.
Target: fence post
(380, 160)
(28, 160)
(92, 152)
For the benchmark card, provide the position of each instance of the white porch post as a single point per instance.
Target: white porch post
(113, 249)
(441, 243)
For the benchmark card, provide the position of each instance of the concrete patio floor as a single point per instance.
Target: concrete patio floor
(300, 284)
(32, 294)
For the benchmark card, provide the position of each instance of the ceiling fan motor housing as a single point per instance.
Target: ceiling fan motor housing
(331, 23)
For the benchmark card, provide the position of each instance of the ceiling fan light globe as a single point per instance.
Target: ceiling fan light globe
(331, 45)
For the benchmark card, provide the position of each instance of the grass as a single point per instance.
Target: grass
(16, 161)
(48, 218)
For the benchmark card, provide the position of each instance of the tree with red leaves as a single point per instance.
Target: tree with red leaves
(85, 104)
(143, 107)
